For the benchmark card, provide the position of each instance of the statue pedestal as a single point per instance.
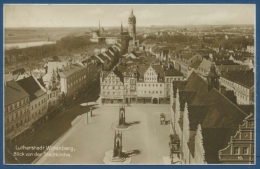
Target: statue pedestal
(117, 159)
(109, 159)
(118, 127)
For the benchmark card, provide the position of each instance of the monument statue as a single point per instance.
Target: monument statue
(117, 152)
(122, 116)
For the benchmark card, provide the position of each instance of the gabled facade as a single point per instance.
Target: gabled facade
(51, 86)
(111, 87)
(150, 84)
(240, 149)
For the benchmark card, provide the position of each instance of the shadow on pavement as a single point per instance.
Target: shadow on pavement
(133, 123)
(131, 153)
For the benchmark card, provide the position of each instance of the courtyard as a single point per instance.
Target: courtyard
(147, 141)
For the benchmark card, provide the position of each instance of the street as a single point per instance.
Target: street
(51, 130)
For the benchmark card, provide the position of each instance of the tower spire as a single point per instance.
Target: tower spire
(132, 11)
(121, 27)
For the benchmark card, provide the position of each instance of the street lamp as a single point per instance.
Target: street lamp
(88, 104)
(126, 90)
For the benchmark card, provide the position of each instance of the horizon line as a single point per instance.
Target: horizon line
(119, 26)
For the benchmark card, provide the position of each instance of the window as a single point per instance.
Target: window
(245, 150)
(236, 150)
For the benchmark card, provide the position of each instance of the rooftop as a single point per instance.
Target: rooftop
(13, 92)
(173, 72)
(232, 67)
(69, 70)
(244, 78)
(30, 85)
(213, 111)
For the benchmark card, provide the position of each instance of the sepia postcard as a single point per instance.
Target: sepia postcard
(147, 84)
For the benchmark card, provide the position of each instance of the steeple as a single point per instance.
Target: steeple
(121, 27)
(213, 77)
(132, 11)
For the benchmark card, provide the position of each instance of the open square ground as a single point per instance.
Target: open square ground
(147, 139)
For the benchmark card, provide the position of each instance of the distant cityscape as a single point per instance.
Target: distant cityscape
(181, 94)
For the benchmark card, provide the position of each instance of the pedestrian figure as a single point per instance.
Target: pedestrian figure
(91, 111)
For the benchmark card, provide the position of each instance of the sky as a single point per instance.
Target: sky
(113, 15)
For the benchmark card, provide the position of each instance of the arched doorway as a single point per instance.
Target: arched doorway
(126, 100)
(155, 101)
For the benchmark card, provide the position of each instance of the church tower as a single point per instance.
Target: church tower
(132, 25)
(213, 78)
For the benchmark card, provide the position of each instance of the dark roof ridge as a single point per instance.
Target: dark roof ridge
(231, 102)
(13, 88)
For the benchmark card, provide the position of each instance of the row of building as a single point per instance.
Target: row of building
(143, 72)
(32, 97)
(138, 84)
